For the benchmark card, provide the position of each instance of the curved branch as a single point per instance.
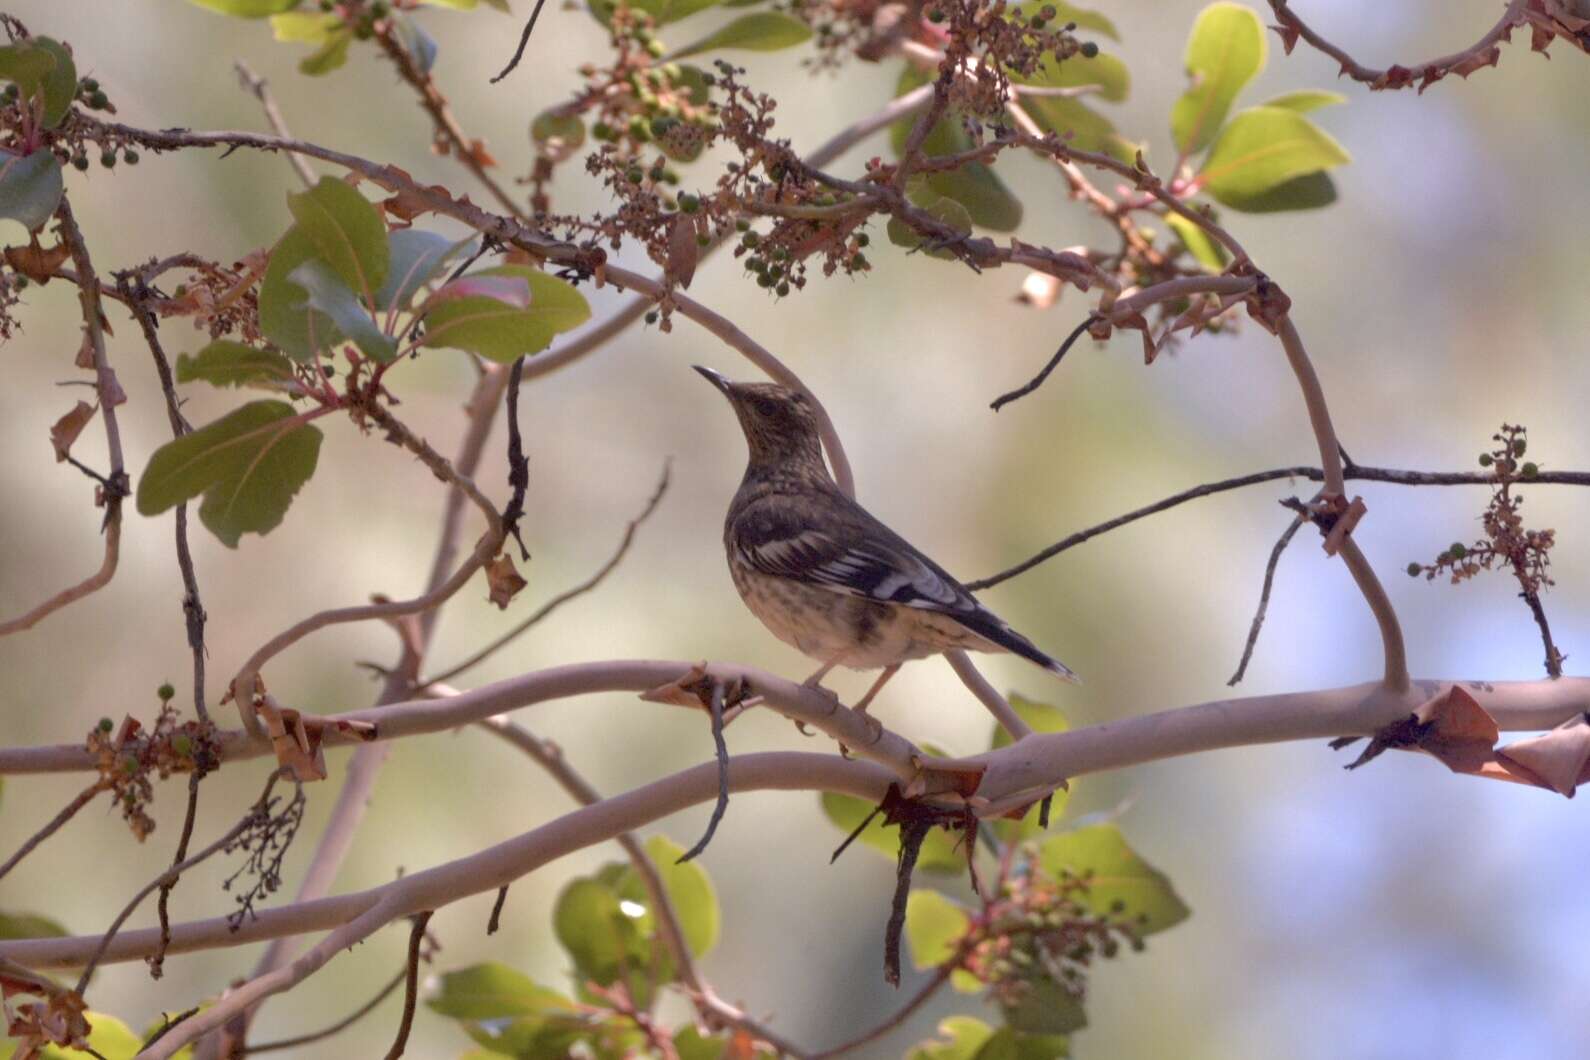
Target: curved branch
(1482, 53)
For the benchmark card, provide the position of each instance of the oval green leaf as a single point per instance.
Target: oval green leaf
(1122, 885)
(346, 230)
(283, 315)
(1225, 51)
(248, 465)
(1263, 148)
(934, 926)
(1305, 193)
(959, 1038)
(28, 926)
(1047, 1008)
(30, 187)
(60, 84)
(500, 329)
(414, 257)
(491, 990)
(227, 363)
(690, 893)
(1305, 100)
(760, 31)
(327, 293)
(246, 8)
(1199, 243)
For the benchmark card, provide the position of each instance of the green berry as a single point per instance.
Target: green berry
(662, 126)
(742, 225)
(98, 100)
(783, 290)
(656, 49)
(689, 203)
(1519, 445)
(601, 131)
(182, 743)
(1486, 460)
(130, 157)
(751, 240)
(80, 160)
(1414, 570)
(635, 176)
(859, 262)
(935, 15)
(1457, 551)
(108, 159)
(21, 283)
(703, 240)
(128, 764)
(1089, 50)
(165, 691)
(651, 318)
(1529, 470)
(764, 280)
(1048, 11)
(862, 239)
(105, 725)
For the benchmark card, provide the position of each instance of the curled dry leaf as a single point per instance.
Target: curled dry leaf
(68, 427)
(1556, 760)
(1458, 731)
(683, 251)
(504, 580)
(297, 738)
(35, 262)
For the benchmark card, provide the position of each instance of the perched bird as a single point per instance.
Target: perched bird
(824, 575)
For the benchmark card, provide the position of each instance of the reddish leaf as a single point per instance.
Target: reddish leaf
(35, 262)
(1555, 760)
(1458, 731)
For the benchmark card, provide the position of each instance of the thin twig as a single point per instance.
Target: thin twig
(722, 748)
(524, 40)
(336, 1028)
(494, 921)
(259, 88)
(1553, 656)
(81, 799)
(564, 597)
(260, 808)
(158, 959)
(518, 463)
(941, 975)
(1483, 52)
(136, 298)
(411, 984)
(109, 391)
(1037, 381)
(1264, 597)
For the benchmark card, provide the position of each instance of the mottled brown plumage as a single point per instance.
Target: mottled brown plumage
(824, 575)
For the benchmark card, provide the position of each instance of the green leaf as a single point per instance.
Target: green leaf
(597, 931)
(1263, 148)
(30, 187)
(960, 1037)
(941, 207)
(760, 31)
(227, 363)
(247, 8)
(984, 196)
(328, 57)
(460, 317)
(965, 982)
(689, 892)
(1010, 1044)
(1047, 1008)
(1041, 716)
(60, 84)
(328, 294)
(414, 257)
(664, 11)
(1122, 886)
(1305, 193)
(28, 926)
(1225, 51)
(691, 1045)
(1203, 247)
(939, 852)
(305, 27)
(347, 231)
(283, 315)
(248, 465)
(1305, 100)
(934, 925)
(108, 1036)
(494, 991)
(1104, 72)
(567, 129)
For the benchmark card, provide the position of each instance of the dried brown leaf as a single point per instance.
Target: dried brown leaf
(683, 251)
(1458, 731)
(68, 427)
(1555, 760)
(504, 581)
(35, 262)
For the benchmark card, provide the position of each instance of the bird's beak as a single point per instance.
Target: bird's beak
(716, 379)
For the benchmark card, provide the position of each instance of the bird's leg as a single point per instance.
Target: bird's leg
(816, 679)
(877, 686)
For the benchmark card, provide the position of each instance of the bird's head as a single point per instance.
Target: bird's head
(780, 424)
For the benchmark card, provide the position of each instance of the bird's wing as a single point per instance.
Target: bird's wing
(853, 557)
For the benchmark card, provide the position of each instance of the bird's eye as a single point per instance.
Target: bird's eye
(766, 407)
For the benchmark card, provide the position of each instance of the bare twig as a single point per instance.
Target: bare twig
(1264, 597)
(158, 959)
(922, 996)
(336, 1028)
(1553, 656)
(259, 88)
(524, 40)
(987, 694)
(518, 463)
(1037, 381)
(1482, 53)
(136, 299)
(564, 597)
(115, 486)
(494, 921)
(81, 799)
(411, 984)
(715, 708)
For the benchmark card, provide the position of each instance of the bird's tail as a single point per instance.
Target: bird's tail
(993, 628)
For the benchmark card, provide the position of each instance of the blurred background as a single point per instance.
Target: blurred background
(1396, 911)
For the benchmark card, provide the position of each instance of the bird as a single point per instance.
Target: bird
(822, 573)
